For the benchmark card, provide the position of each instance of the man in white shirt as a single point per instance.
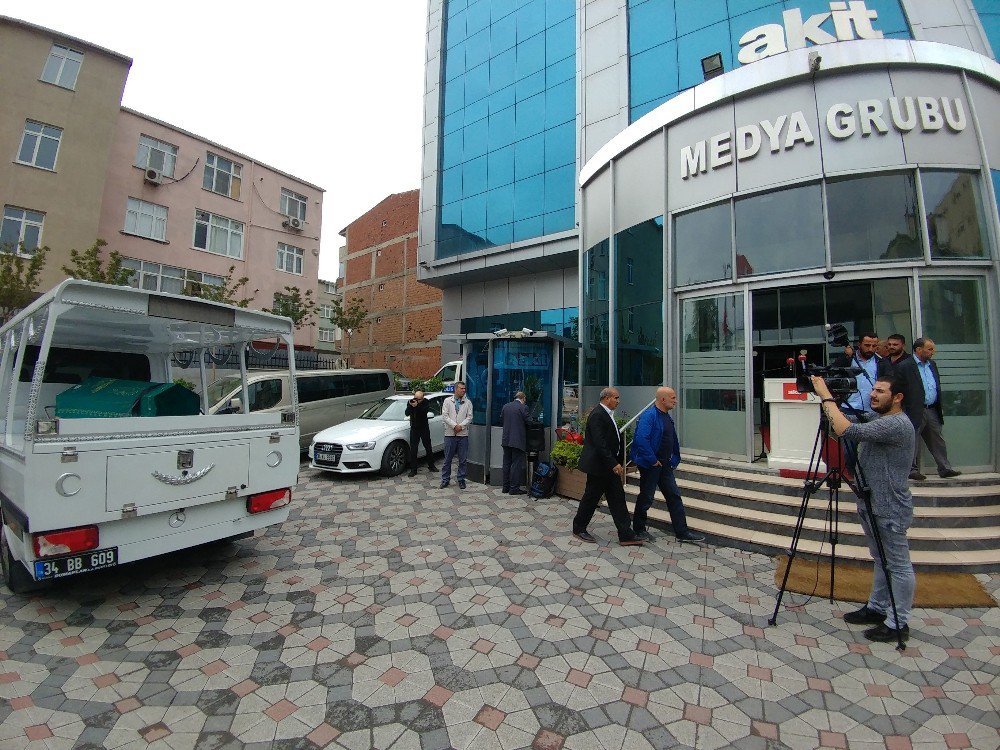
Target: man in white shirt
(457, 414)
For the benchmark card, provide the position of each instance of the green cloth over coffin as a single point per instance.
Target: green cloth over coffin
(111, 397)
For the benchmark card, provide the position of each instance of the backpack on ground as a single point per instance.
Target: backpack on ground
(544, 482)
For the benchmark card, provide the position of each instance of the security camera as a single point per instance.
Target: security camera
(527, 331)
(815, 59)
(501, 332)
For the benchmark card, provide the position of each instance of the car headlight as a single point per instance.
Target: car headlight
(361, 446)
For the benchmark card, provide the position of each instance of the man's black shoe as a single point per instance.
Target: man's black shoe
(917, 475)
(444, 484)
(864, 616)
(949, 474)
(585, 536)
(432, 468)
(884, 634)
(516, 491)
(644, 536)
(691, 537)
(461, 484)
(412, 473)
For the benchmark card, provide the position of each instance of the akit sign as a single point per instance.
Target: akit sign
(850, 20)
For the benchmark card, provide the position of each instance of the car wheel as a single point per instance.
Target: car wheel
(17, 579)
(395, 458)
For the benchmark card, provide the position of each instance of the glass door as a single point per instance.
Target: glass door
(713, 384)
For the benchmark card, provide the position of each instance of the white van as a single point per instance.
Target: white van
(326, 397)
(450, 373)
(108, 452)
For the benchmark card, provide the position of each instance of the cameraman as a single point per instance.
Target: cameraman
(866, 358)
(886, 453)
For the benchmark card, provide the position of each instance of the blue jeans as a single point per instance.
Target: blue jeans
(662, 478)
(897, 556)
(452, 445)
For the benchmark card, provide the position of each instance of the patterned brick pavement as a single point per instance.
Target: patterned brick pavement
(392, 614)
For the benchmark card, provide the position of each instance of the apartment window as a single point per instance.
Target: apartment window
(21, 227)
(146, 219)
(331, 287)
(156, 277)
(154, 154)
(62, 67)
(217, 234)
(326, 311)
(293, 204)
(289, 259)
(39, 145)
(326, 334)
(222, 176)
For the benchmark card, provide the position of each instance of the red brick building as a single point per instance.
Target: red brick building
(404, 319)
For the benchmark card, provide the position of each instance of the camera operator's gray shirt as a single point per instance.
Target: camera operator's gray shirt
(886, 455)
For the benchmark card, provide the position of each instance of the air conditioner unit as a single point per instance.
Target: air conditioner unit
(292, 222)
(153, 176)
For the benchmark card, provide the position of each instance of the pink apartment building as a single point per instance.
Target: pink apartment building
(183, 210)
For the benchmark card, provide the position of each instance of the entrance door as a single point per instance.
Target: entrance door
(714, 375)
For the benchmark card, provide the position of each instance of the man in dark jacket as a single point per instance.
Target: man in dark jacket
(418, 410)
(657, 453)
(903, 367)
(603, 461)
(930, 429)
(514, 418)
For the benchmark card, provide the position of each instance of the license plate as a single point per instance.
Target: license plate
(72, 564)
(328, 458)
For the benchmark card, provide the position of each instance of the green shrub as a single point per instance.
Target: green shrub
(565, 453)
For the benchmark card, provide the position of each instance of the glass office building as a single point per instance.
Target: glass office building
(747, 173)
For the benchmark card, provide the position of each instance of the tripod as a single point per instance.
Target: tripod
(833, 479)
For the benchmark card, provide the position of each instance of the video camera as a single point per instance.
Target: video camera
(842, 381)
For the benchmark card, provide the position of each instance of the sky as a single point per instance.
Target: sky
(330, 91)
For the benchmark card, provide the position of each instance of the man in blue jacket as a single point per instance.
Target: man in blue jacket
(657, 453)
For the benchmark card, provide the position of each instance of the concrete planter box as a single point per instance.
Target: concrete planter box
(570, 483)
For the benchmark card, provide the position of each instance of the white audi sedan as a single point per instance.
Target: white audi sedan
(378, 440)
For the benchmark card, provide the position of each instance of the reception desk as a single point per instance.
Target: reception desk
(794, 421)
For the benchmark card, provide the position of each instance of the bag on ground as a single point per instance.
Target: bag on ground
(544, 482)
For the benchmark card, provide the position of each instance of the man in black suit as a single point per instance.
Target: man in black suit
(418, 410)
(603, 461)
(897, 363)
(514, 418)
(933, 416)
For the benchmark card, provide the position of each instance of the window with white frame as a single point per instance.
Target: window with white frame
(222, 176)
(146, 219)
(217, 234)
(289, 259)
(39, 145)
(293, 204)
(154, 154)
(326, 311)
(62, 66)
(326, 334)
(331, 287)
(156, 277)
(21, 230)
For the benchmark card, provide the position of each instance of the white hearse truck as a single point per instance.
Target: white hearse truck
(108, 453)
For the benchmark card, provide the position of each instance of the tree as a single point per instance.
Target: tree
(292, 303)
(19, 279)
(89, 265)
(350, 316)
(231, 291)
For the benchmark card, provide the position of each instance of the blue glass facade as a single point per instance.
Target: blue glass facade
(508, 122)
(667, 39)
(989, 16)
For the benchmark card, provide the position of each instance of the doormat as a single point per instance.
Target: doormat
(853, 583)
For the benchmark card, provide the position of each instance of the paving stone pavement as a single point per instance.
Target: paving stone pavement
(393, 614)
